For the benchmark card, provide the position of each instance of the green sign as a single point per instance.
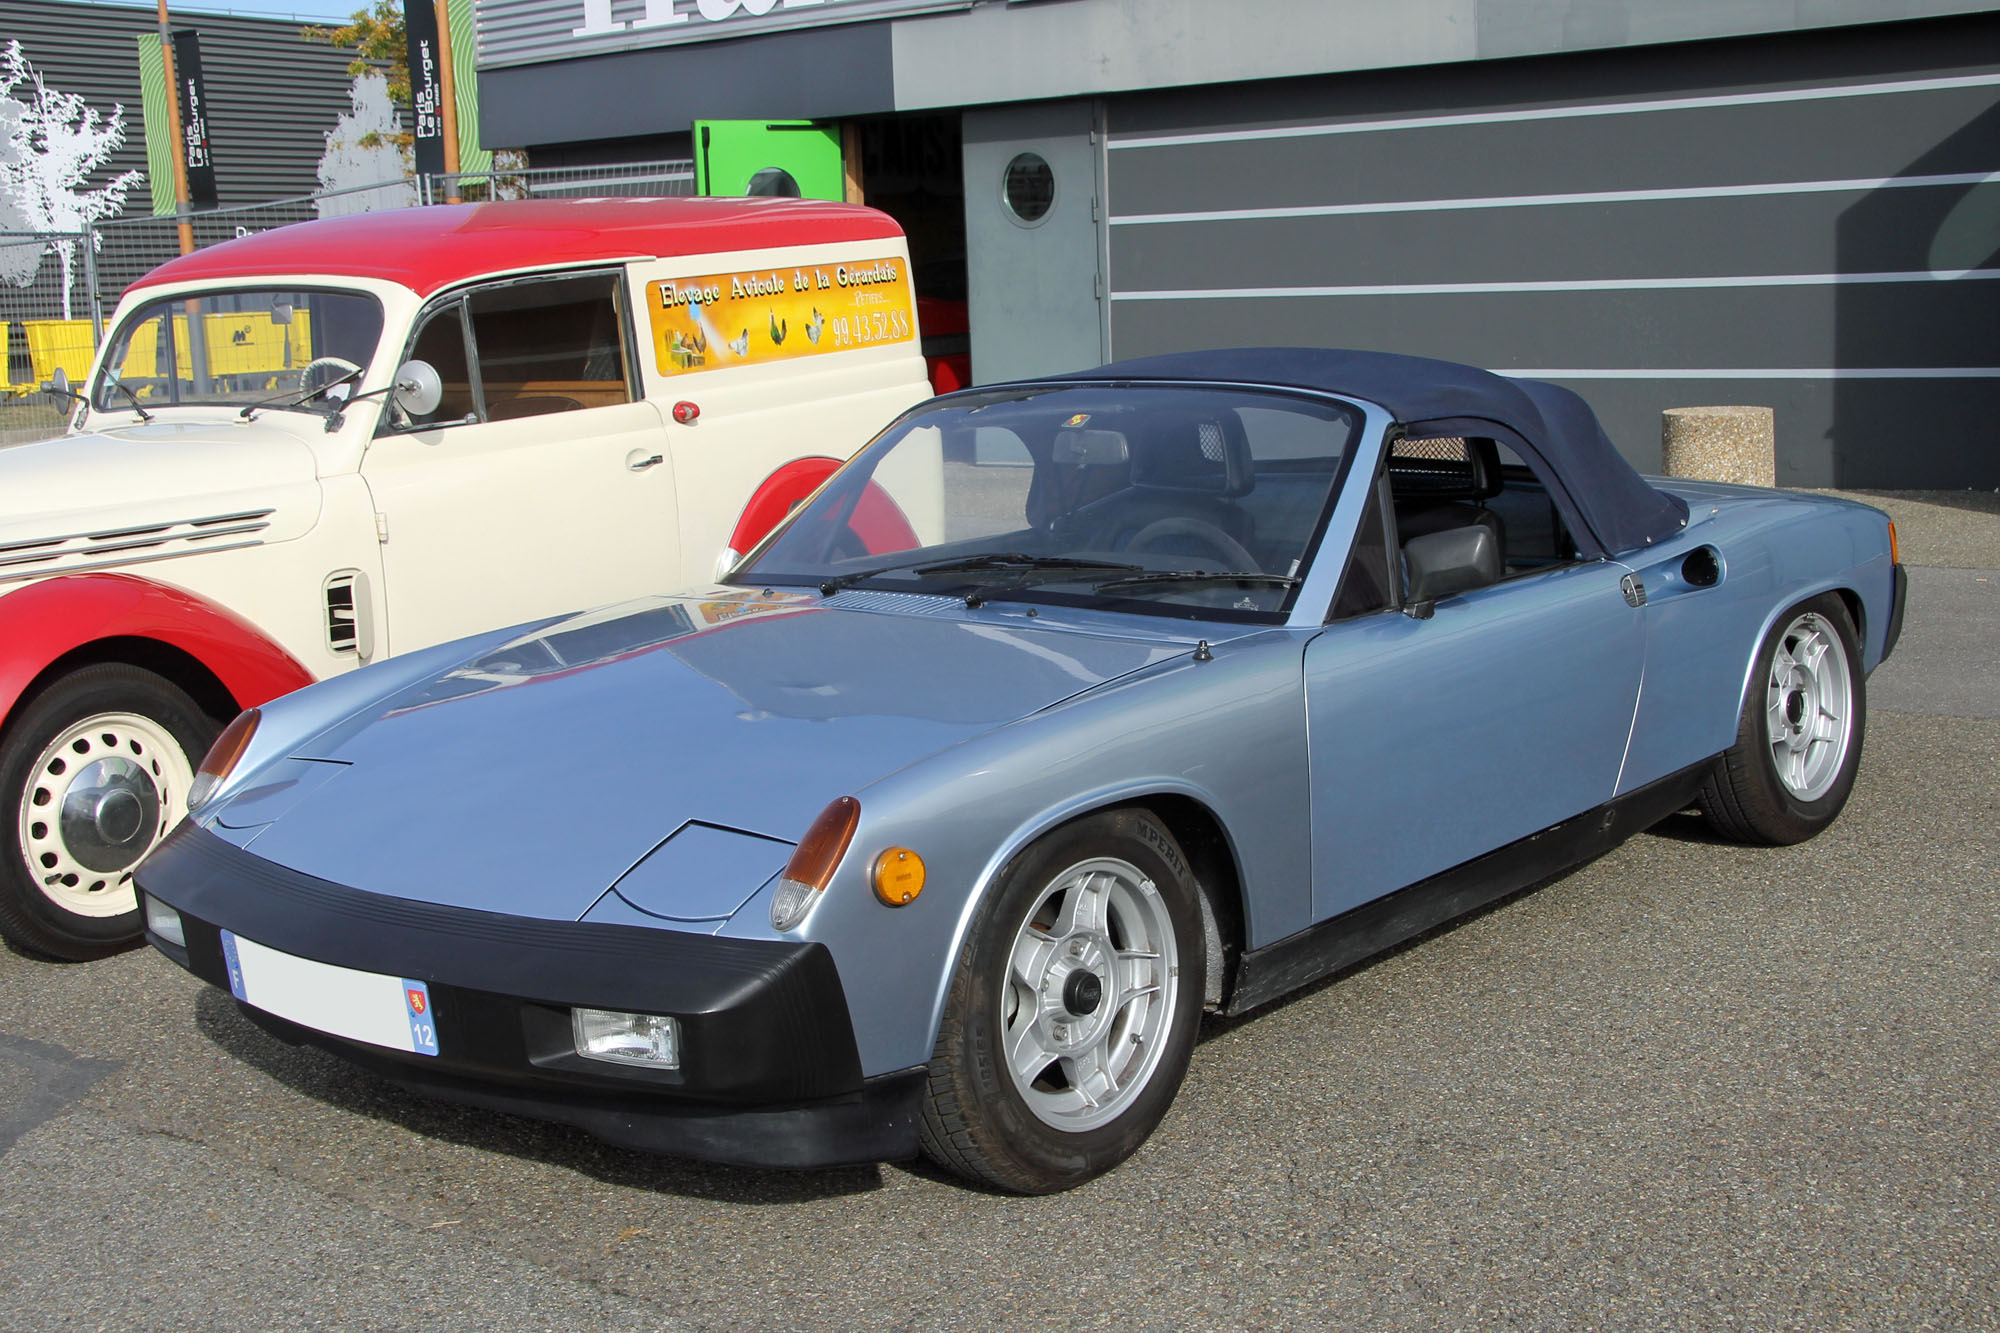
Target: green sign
(796, 158)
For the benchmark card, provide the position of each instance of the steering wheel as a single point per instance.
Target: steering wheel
(1235, 558)
(321, 371)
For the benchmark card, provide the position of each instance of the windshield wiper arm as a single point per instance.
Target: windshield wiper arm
(1002, 561)
(1045, 569)
(299, 397)
(126, 389)
(1200, 576)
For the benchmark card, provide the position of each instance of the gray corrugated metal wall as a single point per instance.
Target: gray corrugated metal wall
(1802, 221)
(272, 95)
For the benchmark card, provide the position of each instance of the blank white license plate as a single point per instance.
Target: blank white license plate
(361, 1006)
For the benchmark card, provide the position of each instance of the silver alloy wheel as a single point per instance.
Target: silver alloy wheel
(100, 796)
(1089, 994)
(1809, 706)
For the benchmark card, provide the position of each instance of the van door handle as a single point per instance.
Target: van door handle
(639, 460)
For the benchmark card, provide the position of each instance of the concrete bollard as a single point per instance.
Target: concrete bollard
(1720, 444)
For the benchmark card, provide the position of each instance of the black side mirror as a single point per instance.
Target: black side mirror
(1445, 564)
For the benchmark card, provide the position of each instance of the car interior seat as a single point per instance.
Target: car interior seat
(1441, 484)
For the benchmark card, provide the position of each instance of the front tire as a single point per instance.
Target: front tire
(1798, 742)
(1072, 1011)
(93, 773)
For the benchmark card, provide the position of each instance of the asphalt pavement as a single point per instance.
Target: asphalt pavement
(1689, 1086)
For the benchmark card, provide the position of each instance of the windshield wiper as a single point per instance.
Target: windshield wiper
(300, 397)
(126, 389)
(1200, 576)
(1005, 562)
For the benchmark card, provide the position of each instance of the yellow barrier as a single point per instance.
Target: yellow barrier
(238, 344)
(65, 343)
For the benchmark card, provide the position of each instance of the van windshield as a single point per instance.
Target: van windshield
(240, 346)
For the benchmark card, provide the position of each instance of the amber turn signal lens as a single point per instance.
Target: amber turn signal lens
(899, 876)
(222, 756)
(818, 854)
(1895, 556)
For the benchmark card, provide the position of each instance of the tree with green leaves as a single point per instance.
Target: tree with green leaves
(377, 37)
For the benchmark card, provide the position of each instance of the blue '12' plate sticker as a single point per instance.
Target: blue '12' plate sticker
(423, 1027)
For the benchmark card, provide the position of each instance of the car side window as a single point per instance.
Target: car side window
(550, 345)
(440, 342)
(1440, 484)
(1365, 586)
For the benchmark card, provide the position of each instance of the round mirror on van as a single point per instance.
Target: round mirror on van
(418, 388)
(1028, 188)
(59, 381)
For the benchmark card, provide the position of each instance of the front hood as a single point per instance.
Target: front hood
(530, 780)
(70, 498)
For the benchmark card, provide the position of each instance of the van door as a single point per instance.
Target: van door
(541, 483)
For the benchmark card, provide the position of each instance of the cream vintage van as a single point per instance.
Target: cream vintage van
(317, 446)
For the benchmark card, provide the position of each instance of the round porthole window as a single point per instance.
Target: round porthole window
(1028, 188)
(773, 183)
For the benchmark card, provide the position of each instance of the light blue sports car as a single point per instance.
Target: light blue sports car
(1065, 711)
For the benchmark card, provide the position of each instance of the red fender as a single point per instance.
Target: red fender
(43, 621)
(782, 492)
(878, 520)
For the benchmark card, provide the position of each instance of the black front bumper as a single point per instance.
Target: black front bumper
(1899, 597)
(769, 1074)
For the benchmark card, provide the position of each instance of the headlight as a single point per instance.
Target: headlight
(222, 757)
(650, 1040)
(164, 921)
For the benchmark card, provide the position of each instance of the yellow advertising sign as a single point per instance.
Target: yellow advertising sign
(751, 318)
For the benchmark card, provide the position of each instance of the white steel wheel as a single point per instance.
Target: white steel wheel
(99, 797)
(1072, 1008)
(1809, 706)
(94, 772)
(1089, 993)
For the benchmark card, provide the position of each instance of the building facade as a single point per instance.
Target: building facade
(1656, 202)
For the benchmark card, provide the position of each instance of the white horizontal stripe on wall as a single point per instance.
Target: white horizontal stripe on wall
(1561, 112)
(1566, 285)
(1558, 200)
(1767, 373)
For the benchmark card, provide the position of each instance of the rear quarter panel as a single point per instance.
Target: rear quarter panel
(1777, 549)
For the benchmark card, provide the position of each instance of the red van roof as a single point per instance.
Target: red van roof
(427, 249)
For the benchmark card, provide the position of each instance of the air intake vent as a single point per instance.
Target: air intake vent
(350, 625)
(340, 629)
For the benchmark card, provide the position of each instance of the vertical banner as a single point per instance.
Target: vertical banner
(160, 146)
(194, 120)
(465, 89)
(426, 84)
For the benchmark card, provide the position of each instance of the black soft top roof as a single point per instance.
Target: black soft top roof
(1443, 398)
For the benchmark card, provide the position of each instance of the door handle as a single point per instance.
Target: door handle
(639, 460)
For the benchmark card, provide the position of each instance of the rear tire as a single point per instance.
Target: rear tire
(1798, 742)
(1072, 1011)
(94, 772)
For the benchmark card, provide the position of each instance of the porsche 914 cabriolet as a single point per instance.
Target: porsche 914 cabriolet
(1065, 711)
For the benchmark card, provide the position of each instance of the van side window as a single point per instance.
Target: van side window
(440, 341)
(550, 345)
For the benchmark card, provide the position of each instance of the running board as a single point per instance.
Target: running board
(1277, 969)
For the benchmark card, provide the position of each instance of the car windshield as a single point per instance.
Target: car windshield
(284, 348)
(1187, 501)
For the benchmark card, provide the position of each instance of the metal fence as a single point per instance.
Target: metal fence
(626, 180)
(57, 289)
